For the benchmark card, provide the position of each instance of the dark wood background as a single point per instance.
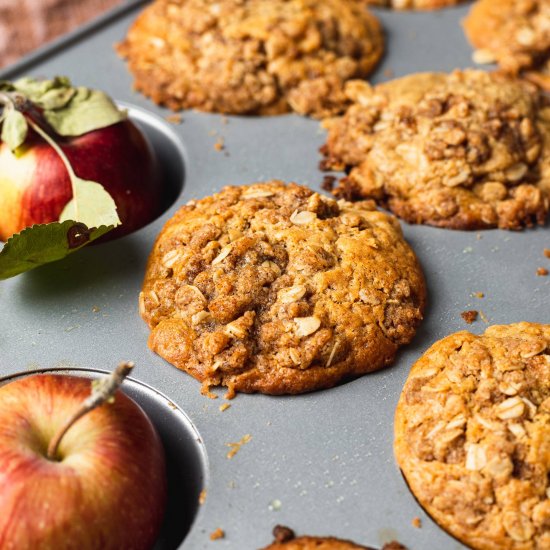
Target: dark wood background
(27, 24)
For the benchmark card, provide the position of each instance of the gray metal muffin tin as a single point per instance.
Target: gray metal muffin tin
(321, 463)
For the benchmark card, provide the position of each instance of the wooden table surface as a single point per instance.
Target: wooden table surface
(28, 24)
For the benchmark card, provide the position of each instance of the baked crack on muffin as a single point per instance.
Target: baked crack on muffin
(285, 539)
(513, 33)
(466, 150)
(274, 288)
(472, 436)
(252, 56)
(414, 4)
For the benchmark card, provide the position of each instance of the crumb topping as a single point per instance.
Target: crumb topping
(466, 150)
(277, 288)
(252, 56)
(473, 435)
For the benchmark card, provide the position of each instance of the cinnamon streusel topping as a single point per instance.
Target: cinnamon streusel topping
(465, 150)
(277, 289)
(252, 56)
(472, 436)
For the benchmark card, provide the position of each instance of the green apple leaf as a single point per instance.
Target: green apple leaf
(70, 111)
(14, 129)
(42, 244)
(34, 89)
(91, 205)
(56, 98)
(87, 110)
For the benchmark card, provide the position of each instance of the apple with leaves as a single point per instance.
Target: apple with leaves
(71, 153)
(78, 469)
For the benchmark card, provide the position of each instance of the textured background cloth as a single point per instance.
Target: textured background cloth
(27, 24)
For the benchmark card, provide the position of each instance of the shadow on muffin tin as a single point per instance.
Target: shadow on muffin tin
(186, 459)
(168, 150)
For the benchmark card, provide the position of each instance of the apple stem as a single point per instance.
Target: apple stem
(60, 152)
(103, 391)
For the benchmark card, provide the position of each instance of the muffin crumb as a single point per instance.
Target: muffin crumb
(236, 447)
(469, 316)
(282, 533)
(217, 534)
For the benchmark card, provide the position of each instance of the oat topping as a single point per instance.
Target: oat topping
(252, 56)
(278, 289)
(473, 435)
(483, 56)
(306, 325)
(464, 151)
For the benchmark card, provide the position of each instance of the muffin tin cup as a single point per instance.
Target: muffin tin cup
(167, 148)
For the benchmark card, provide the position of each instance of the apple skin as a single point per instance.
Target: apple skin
(35, 186)
(107, 491)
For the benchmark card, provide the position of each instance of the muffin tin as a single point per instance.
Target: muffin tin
(321, 463)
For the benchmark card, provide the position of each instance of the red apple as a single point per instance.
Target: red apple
(35, 185)
(107, 487)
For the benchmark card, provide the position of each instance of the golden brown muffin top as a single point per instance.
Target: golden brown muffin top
(472, 436)
(278, 289)
(464, 150)
(252, 56)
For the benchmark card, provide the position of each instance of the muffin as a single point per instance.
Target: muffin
(472, 436)
(252, 56)
(466, 150)
(274, 288)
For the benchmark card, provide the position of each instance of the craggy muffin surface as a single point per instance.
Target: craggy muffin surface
(414, 4)
(252, 56)
(466, 150)
(513, 33)
(277, 289)
(472, 436)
